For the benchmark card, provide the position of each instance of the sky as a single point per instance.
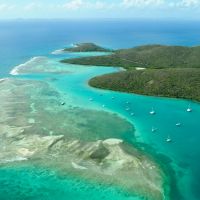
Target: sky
(138, 9)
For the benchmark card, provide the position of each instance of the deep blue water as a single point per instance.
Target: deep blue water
(20, 40)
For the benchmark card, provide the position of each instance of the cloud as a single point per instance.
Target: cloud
(142, 3)
(100, 8)
(86, 4)
(159, 3)
(185, 4)
(74, 4)
(188, 3)
(32, 6)
(6, 7)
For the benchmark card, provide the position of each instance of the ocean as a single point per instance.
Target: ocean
(21, 40)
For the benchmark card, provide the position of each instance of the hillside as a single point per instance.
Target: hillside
(177, 83)
(169, 71)
(149, 56)
(86, 47)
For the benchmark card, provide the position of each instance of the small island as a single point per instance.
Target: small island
(87, 47)
(156, 70)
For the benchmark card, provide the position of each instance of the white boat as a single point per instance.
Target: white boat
(132, 114)
(189, 109)
(178, 124)
(168, 139)
(127, 109)
(91, 99)
(152, 112)
(153, 129)
(103, 106)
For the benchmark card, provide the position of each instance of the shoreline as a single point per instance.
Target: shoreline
(145, 95)
(98, 86)
(15, 70)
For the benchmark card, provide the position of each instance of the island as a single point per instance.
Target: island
(86, 47)
(156, 70)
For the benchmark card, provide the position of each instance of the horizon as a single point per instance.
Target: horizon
(104, 19)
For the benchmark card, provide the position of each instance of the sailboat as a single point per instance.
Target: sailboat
(178, 124)
(189, 109)
(62, 103)
(153, 129)
(152, 112)
(168, 139)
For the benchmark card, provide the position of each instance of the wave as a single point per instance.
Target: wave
(3, 79)
(32, 61)
(15, 159)
(76, 166)
(74, 45)
(58, 51)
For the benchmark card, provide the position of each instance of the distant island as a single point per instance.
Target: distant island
(156, 70)
(86, 47)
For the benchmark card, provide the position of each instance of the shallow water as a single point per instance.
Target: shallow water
(27, 183)
(183, 151)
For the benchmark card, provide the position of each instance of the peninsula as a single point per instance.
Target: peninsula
(86, 47)
(156, 70)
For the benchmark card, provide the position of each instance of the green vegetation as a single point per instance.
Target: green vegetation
(150, 56)
(170, 71)
(86, 47)
(178, 83)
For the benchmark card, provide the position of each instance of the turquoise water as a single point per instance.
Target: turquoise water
(34, 183)
(182, 153)
(181, 156)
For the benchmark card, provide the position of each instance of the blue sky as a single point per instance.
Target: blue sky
(157, 9)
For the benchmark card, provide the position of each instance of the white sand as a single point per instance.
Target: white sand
(58, 51)
(140, 68)
(112, 141)
(76, 166)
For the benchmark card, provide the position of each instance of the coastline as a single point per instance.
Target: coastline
(15, 70)
(145, 95)
(58, 51)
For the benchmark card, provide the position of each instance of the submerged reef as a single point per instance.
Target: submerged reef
(39, 64)
(36, 128)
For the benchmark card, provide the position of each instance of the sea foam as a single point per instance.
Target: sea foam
(58, 51)
(15, 159)
(32, 61)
